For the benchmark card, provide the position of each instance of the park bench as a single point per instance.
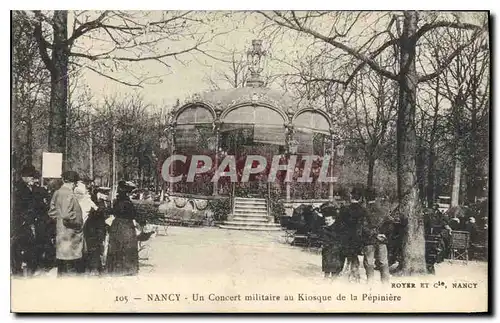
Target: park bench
(459, 245)
(432, 250)
(288, 228)
(147, 213)
(300, 239)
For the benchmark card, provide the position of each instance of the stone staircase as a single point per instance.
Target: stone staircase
(250, 214)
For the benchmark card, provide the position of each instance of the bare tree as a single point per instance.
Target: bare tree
(431, 131)
(109, 41)
(31, 84)
(466, 87)
(410, 28)
(369, 109)
(232, 74)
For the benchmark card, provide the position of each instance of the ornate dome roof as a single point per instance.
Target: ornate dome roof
(253, 94)
(224, 99)
(252, 104)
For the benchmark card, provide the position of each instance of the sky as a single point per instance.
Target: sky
(185, 78)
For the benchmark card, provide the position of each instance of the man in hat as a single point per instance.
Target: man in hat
(44, 226)
(23, 243)
(351, 217)
(374, 237)
(64, 208)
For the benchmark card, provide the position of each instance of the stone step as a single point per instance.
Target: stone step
(251, 203)
(256, 224)
(250, 209)
(249, 199)
(250, 224)
(250, 219)
(251, 216)
(252, 213)
(248, 228)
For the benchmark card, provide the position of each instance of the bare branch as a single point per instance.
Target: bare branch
(440, 24)
(87, 26)
(445, 63)
(331, 40)
(42, 42)
(139, 84)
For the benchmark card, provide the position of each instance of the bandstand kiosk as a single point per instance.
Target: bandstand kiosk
(251, 120)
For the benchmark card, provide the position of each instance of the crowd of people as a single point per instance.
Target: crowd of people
(352, 230)
(68, 225)
(366, 227)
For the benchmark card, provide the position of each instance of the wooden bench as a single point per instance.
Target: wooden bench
(300, 239)
(459, 245)
(287, 226)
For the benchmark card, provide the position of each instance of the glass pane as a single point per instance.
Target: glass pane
(195, 114)
(254, 115)
(265, 115)
(312, 120)
(267, 134)
(240, 115)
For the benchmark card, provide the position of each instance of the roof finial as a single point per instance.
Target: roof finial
(255, 64)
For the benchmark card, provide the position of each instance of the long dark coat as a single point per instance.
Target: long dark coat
(351, 218)
(23, 238)
(332, 256)
(375, 222)
(45, 228)
(95, 234)
(123, 254)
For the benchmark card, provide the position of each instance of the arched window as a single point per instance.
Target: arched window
(312, 120)
(257, 115)
(194, 135)
(194, 131)
(311, 134)
(195, 114)
(265, 124)
(312, 130)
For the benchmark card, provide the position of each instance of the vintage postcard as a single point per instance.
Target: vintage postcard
(250, 161)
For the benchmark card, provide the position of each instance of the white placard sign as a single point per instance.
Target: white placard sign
(52, 165)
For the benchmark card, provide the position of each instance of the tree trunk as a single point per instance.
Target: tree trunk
(59, 86)
(457, 173)
(472, 158)
(110, 157)
(431, 158)
(29, 140)
(421, 170)
(14, 134)
(431, 172)
(91, 149)
(411, 215)
(371, 168)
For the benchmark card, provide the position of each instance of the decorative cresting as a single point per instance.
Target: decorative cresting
(255, 63)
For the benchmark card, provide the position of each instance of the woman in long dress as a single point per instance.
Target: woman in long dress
(123, 257)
